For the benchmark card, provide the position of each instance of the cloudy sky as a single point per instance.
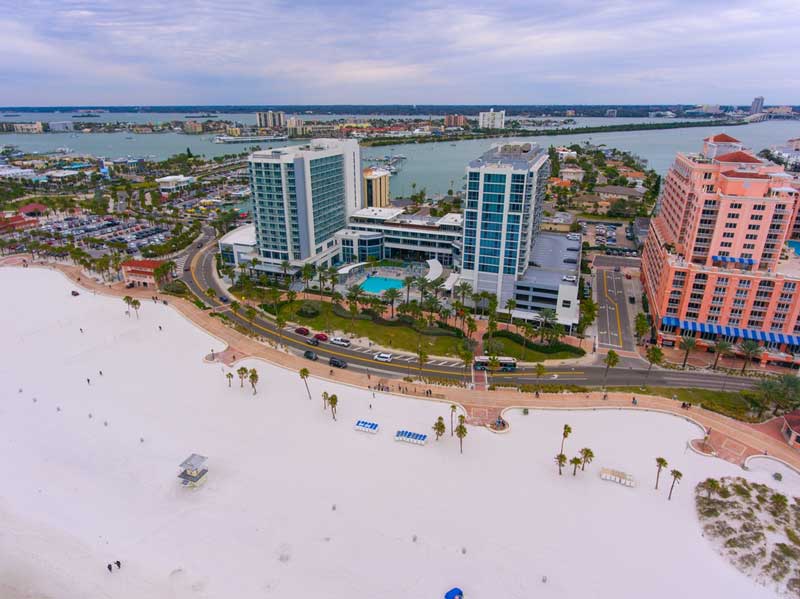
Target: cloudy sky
(468, 52)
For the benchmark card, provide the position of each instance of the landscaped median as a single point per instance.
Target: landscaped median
(516, 346)
(400, 334)
(736, 404)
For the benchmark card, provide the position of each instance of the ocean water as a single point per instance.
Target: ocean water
(435, 167)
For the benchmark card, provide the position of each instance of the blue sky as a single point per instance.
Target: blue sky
(469, 52)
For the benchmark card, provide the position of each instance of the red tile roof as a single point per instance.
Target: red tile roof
(33, 207)
(722, 137)
(145, 264)
(793, 420)
(738, 156)
(744, 175)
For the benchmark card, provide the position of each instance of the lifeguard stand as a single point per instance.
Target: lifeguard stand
(193, 470)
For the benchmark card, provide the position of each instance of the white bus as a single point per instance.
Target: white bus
(506, 364)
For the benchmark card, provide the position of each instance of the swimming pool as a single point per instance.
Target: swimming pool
(795, 245)
(378, 285)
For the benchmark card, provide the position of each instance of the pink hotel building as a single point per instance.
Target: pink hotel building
(716, 264)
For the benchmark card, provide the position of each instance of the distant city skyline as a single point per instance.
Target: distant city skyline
(512, 52)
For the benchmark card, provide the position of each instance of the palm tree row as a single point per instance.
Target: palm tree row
(676, 475)
(585, 456)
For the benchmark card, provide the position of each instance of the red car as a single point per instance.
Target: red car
(301, 331)
(321, 337)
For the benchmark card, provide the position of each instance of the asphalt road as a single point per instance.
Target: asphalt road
(613, 322)
(200, 278)
(603, 261)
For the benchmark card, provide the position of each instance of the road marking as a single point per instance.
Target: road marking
(616, 307)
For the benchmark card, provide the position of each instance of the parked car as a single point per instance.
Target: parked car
(569, 278)
(310, 355)
(75, 293)
(383, 357)
(321, 337)
(338, 362)
(313, 341)
(301, 331)
(631, 299)
(340, 341)
(223, 299)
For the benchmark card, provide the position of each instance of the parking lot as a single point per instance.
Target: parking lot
(100, 231)
(613, 236)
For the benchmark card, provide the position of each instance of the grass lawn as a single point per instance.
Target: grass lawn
(730, 403)
(393, 337)
(515, 350)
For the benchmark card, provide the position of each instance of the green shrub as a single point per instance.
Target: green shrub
(549, 348)
(176, 287)
(308, 310)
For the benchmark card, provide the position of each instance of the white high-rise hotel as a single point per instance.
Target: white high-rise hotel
(492, 119)
(303, 195)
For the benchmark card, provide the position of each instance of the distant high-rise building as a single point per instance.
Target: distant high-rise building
(492, 119)
(612, 113)
(302, 195)
(455, 120)
(271, 120)
(376, 187)
(758, 105)
(569, 113)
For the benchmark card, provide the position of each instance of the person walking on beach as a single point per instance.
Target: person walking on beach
(81, 330)
(101, 373)
(88, 381)
(119, 564)
(109, 567)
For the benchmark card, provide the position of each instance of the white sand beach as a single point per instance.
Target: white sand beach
(297, 505)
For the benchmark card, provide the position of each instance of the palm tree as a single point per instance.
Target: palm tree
(655, 355)
(136, 304)
(575, 462)
(511, 304)
(229, 376)
(712, 486)
(564, 434)
(467, 357)
(461, 432)
(304, 373)
(452, 413)
(128, 301)
(471, 326)
(641, 325)
(462, 290)
(354, 294)
(587, 455)
(721, 348)
(660, 463)
(528, 332)
(540, 372)
(687, 344)
(422, 358)
(280, 324)
(561, 461)
(333, 401)
(408, 282)
(250, 313)
(611, 360)
(676, 476)
(235, 307)
(285, 266)
(548, 317)
(439, 428)
(242, 372)
(307, 273)
(253, 376)
(391, 295)
(750, 349)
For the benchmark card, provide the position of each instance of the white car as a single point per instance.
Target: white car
(569, 279)
(341, 341)
(383, 357)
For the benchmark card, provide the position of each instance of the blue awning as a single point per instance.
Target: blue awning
(733, 259)
(734, 332)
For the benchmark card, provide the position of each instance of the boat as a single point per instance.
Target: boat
(86, 115)
(10, 115)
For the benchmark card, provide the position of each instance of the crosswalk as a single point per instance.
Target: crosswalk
(403, 357)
